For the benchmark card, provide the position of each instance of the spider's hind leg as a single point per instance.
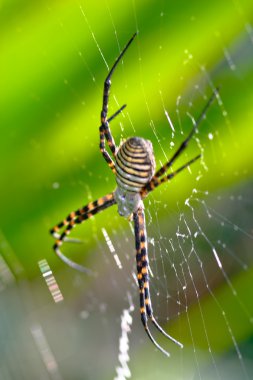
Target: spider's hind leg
(74, 218)
(145, 324)
(55, 231)
(144, 308)
(147, 301)
(143, 279)
(149, 309)
(57, 236)
(138, 223)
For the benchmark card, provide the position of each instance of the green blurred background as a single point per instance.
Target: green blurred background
(52, 69)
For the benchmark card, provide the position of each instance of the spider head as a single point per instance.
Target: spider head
(127, 201)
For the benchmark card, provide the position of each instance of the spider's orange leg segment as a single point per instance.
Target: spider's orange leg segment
(77, 217)
(143, 279)
(184, 144)
(154, 182)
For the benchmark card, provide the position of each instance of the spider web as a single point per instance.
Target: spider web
(199, 243)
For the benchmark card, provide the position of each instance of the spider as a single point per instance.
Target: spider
(134, 169)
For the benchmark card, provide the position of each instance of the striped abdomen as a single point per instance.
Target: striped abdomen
(135, 164)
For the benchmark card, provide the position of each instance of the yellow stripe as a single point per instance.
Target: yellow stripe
(129, 182)
(129, 158)
(108, 197)
(100, 201)
(134, 149)
(137, 163)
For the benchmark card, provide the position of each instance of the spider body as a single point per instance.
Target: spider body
(133, 164)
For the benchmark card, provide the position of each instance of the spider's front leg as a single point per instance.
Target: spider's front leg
(143, 279)
(154, 182)
(157, 180)
(105, 133)
(104, 130)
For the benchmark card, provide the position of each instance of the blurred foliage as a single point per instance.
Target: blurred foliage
(52, 77)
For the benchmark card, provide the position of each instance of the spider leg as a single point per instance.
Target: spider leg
(107, 82)
(66, 239)
(105, 132)
(74, 218)
(143, 279)
(144, 321)
(81, 211)
(184, 144)
(154, 182)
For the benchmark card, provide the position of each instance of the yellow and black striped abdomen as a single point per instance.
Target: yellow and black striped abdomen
(135, 164)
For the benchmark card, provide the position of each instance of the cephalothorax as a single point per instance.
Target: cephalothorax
(133, 164)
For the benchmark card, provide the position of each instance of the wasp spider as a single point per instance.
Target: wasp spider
(133, 164)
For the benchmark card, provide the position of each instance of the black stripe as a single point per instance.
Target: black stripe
(132, 154)
(134, 159)
(136, 177)
(142, 302)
